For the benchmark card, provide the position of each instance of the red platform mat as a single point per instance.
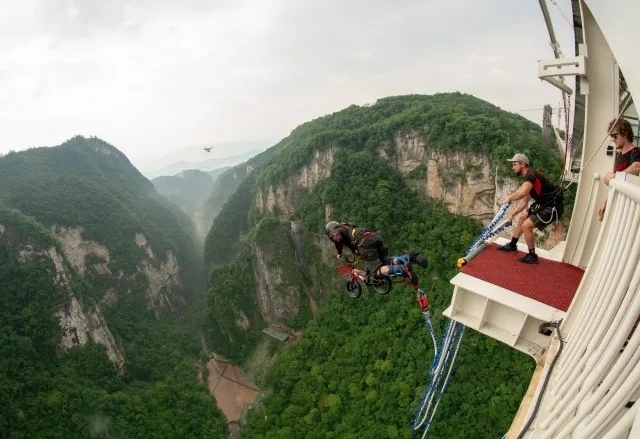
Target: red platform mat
(550, 282)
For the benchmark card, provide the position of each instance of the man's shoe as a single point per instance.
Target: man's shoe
(422, 261)
(529, 258)
(508, 248)
(414, 256)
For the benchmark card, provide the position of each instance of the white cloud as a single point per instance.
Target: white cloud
(152, 77)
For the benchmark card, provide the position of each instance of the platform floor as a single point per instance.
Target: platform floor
(549, 282)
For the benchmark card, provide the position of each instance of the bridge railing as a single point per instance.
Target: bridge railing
(597, 373)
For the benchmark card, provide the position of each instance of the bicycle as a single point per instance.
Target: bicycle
(356, 277)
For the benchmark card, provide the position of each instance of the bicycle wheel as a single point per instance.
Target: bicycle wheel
(354, 289)
(382, 285)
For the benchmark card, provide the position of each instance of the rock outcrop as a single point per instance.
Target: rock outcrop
(465, 182)
(283, 195)
(80, 323)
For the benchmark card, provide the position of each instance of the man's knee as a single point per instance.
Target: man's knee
(528, 225)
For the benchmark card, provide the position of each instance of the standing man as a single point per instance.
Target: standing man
(627, 154)
(548, 205)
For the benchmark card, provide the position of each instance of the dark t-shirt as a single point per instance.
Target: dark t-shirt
(543, 190)
(623, 161)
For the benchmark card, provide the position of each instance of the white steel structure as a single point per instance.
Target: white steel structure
(588, 374)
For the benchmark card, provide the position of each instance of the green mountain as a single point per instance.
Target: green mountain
(100, 276)
(417, 169)
(188, 190)
(226, 190)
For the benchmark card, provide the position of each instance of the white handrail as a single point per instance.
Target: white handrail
(622, 427)
(603, 290)
(597, 374)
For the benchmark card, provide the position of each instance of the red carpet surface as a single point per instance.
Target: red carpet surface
(550, 282)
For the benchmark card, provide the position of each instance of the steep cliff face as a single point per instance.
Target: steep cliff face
(91, 259)
(465, 182)
(461, 180)
(163, 277)
(81, 320)
(124, 253)
(284, 197)
(278, 297)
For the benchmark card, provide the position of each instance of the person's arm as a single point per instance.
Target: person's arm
(522, 205)
(522, 192)
(601, 209)
(634, 168)
(337, 241)
(608, 177)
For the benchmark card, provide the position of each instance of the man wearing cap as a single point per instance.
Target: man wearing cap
(548, 206)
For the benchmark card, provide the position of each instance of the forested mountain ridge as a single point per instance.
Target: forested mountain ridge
(97, 274)
(189, 190)
(376, 166)
(227, 182)
(87, 189)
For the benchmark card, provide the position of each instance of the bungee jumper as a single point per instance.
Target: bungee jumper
(370, 247)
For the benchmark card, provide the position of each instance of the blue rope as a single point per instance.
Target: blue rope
(451, 338)
(436, 360)
(459, 331)
(436, 353)
(488, 231)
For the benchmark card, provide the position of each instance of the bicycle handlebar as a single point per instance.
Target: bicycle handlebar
(353, 259)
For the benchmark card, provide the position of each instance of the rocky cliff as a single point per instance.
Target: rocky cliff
(467, 183)
(79, 316)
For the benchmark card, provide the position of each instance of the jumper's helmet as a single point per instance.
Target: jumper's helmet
(330, 226)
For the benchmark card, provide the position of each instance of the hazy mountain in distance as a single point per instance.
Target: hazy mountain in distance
(220, 156)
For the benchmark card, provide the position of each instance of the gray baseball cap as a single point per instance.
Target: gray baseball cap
(520, 158)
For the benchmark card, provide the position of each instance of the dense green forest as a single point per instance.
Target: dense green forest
(78, 393)
(230, 194)
(361, 366)
(50, 392)
(90, 183)
(447, 122)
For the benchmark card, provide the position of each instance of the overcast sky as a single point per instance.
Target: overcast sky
(153, 77)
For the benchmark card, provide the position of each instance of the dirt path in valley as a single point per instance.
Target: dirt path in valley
(229, 386)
